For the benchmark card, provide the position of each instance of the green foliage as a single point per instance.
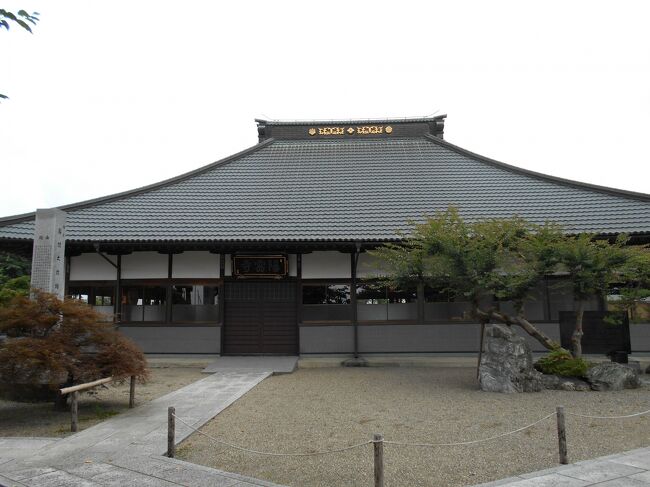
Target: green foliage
(21, 18)
(592, 265)
(18, 286)
(503, 257)
(14, 277)
(12, 266)
(633, 285)
(561, 362)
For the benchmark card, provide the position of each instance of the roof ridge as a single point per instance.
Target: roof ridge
(9, 220)
(538, 175)
(350, 120)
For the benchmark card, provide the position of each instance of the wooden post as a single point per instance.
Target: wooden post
(480, 350)
(378, 442)
(74, 410)
(171, 432)
(354, 256)
(132, 392)
(561, 435)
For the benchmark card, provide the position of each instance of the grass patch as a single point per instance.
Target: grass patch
(100, 413)
(561, 362)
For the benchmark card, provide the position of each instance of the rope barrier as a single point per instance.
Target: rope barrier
(399, 443)
(609, 417)
(472, 442)
(274, 454)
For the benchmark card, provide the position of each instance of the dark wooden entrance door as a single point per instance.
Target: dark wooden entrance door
(260, 318)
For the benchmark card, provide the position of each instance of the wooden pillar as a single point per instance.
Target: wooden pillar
(118, 290)
(420, 303)
(299, 296)
(547, 298)
(222, 296)
(168, 301)
(354, 256)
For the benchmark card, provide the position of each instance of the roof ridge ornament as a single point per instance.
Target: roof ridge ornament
(350, 129)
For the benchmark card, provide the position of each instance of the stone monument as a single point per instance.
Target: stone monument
(48, 258)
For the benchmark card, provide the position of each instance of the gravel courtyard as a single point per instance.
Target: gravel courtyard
(317, 409)
(40, 419)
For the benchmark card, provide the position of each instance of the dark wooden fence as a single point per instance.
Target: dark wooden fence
(600, 335)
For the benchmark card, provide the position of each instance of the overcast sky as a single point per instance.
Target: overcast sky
(108, 96)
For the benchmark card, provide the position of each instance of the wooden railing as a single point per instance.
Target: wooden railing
(74, 397)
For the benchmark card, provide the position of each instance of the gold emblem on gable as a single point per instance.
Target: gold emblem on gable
(356, 130)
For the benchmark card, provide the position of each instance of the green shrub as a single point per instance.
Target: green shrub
(561, 362)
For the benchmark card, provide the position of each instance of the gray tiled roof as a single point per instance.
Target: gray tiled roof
(361, 189)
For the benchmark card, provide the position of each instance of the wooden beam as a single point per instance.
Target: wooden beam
(83, 387)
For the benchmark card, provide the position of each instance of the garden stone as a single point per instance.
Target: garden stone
(507, 363)
(634, 365)
(551, 381)
(556, 382)
(567, 386)
(610, 376)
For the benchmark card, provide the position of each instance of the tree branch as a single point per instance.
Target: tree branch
(527, 326)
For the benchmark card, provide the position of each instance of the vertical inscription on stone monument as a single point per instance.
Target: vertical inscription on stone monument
(48, 259)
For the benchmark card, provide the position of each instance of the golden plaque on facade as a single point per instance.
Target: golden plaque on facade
(360, 130)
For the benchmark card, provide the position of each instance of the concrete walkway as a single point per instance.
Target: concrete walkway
(276, 365)
(629, 469)
(127, 450)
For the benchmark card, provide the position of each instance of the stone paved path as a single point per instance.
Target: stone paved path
(628, 469)
(127, 450)
(277, 365)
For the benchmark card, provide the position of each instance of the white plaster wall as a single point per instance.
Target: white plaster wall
(195, 264)
(293, 265)
(143, 265)
(92, 267)
(227, 268)
(368, 266)
(327, 264)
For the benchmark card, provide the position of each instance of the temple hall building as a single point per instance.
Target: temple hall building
(265, 251)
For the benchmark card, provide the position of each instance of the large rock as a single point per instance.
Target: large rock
(507, 363)
(610, 376)
(552, 381)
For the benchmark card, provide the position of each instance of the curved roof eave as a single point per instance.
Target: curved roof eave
(539, 175)
(116, 196)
